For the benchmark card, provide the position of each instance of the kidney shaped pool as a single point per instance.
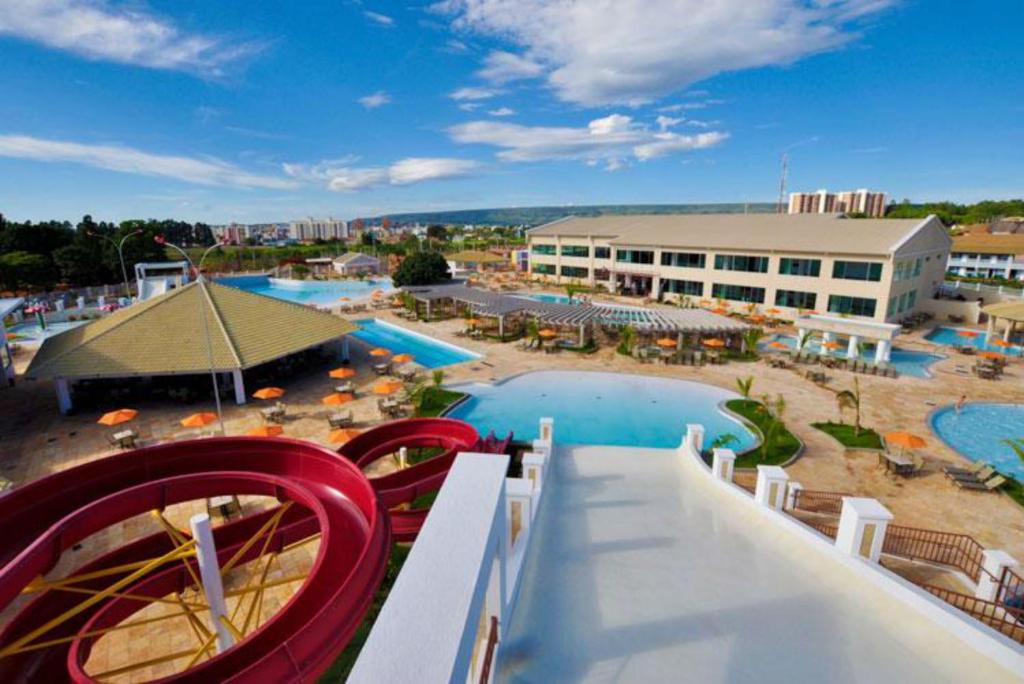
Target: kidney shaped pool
(979, 430)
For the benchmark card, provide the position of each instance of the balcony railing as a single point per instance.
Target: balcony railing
(1008, 621)
(492, 645)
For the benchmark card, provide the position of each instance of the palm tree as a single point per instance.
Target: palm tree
(805, 337)
(775, 410)
(744, 385)
(627, 339)
(438, 377)
(1017, 445)
(847, 399)
(532, 331)
(750, 339)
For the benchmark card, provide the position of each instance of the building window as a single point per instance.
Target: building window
(800, 267)
(856, 306)
(795, 300)
(602, 274)
(575, 272)
(544, 269)
(575, 251)
(902, 303)
(602, 252)
(543, 249)
(683, 287)
(741, 262)
(857, 270)
(738, 293)
(683, 259)
(634, 256)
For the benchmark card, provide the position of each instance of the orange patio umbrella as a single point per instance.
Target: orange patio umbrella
(966, 333)
(994, 355)
(906, 440)
(266, 431)
(341, 373)
(387, 387)
(547, 332)
(713, 342)
(473, 321)
(344, 299)
(377, 293)
(199, 419)
(778, 345)
(706, 302)
(665, 342)
(117, 417)
(757, 318)
(720, 311)
(1000, 343)
(268, 393)
(337, 399)
(810, 312)
(379, 351)
(773, 311)
(833, 345)
(342, 435)
(12, 336)
(403, 358)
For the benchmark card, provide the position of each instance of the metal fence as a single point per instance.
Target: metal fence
(945, 548)
(1011, 587)
(1009, 621)
(817, 501)
(951, 288)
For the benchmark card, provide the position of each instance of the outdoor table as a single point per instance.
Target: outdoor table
(225, 505)
(126, 438)
(895, 462)
(346, 388)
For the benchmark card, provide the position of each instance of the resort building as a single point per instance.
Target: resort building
(310, 229)
(870, 268)
(356, 263)
(824, 202)
(988, 255)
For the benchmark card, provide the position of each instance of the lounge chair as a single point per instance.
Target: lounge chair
(970, 470)
(986, 486)
(980, 476)
(340, 419)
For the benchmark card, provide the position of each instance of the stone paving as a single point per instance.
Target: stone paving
(35, 440)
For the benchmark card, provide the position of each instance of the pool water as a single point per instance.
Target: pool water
(30, 333)
(905, 361)
(544, 297)
(427, 351)
(601, 408)
(952, 337)
(978, 430)
(318, 292)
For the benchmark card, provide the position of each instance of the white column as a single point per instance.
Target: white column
(862, 526)
(239, 386)
(770, 490)
(101, 301)
(547, 430)
(209, 572)
(722, 464)
(825, 339)
(695, 436)
(800, 334)
(882, 351)
(344, 348)
(63, 388)
(852, 349)
(80, 302)
(993, 562)
(403, 458)
(534, 466)
(792, 492)
(518, 504)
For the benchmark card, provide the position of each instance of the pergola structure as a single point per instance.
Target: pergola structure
(855, 330)
(7, 307)
(200, 328)
(583, 317)
(1010, 313)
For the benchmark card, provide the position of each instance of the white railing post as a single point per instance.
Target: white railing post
(722, 464)
(403, 458)
(770, 490)
(862, 526)
(792, 492)
(695, 436)
(993, 562)
(547, 430)
(209, 572)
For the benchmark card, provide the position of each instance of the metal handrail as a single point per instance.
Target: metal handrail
(1006, 620)
(492, 643)
(960, 551)
(819, 501)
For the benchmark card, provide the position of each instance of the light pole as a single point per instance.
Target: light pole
(161, 240)
(119, 246)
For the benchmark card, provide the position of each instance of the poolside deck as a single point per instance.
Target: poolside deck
(641, 572)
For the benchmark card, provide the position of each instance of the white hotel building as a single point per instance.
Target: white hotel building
(309, 229)
(877, 269)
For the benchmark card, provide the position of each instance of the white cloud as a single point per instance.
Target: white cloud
(613, 137)
(688, 106)
(501, 111)
(636, 51)
(502, 67)
(375, 100)
(204, 171)
(473, 93)
(95, 30)
(340, 175)
(667, 122)
(455, 46)
(469, 106)
(378, 18)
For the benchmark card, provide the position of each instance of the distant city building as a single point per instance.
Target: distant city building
(309, 229)
(239, 233)
(824, 202)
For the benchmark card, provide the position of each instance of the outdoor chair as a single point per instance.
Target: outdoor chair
(986, 486)
(979, 476)
(382, 368)
(340, 419)
(970, 470)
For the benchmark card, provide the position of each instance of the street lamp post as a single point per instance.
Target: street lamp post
(161, 240)
(119, 246)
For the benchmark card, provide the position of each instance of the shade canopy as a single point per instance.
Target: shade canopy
(713, 342)
(266, 431)
(907, 440)
(379, 351)
(341, 373)
(199, 420)
(387, 387)
(117, 417)
(402, 358)
(268, 393)
(665, 342)
(337, 399)
(342, 435)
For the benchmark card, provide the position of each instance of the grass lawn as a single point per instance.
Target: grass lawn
(340, 668)
(436, 400)
(786, 444)
(842, 433)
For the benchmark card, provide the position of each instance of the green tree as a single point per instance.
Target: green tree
(751, 337)
(775, 424)
(850, 399)
(744, 385)
(627, 339)
(25, 270)
(437, 232)
(438, 377)
(422, 268)
(1017, 445)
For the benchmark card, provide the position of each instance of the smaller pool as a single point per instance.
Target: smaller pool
(544, 297)
(978, 432)
(318, 292)
(30, 333)
(952, 337)
(427, 351)
(905, 361)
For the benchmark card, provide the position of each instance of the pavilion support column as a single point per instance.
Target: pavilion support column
(853, 348)
(501, 327)
(63, 387)
(1009, 330)
(991, 328)
(882, 351)
(582, 334)
(345, 353)
(801, 333)
(239, 386)
(825, 339)
(428, 309)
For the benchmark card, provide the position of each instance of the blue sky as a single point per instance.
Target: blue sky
(267, 111)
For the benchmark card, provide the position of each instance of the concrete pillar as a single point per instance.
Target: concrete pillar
(101, 301)
(209, 572)
(428, 309)
(792, 492)
(695, 436)
(403, 458)
(882, 351)
(547, 430)
(993, 562)
(1009, 330)
(541, 447)
(519, 512)
(236, 375)
(501, 327)
(63, 387)
(800, 334)
(770, 490)
(583, 334)
(80, 303)
(862, 526)
(722, 464)
(534, 466)
(59, 304)
(826, 338)
(853, 348)
(345, 355)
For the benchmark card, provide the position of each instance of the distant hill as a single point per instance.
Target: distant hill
(532, 216)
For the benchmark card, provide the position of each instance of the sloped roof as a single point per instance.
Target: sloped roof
(820, 233)
(350, 257)
(1014, 311)
(474, 256)
(164, 335)
(990, 243)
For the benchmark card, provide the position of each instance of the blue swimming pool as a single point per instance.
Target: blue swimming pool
(544, 297)
(905, 361)
(319, 292)
(953, 337)
(427, 351)
(601, 408)
(978, 432)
